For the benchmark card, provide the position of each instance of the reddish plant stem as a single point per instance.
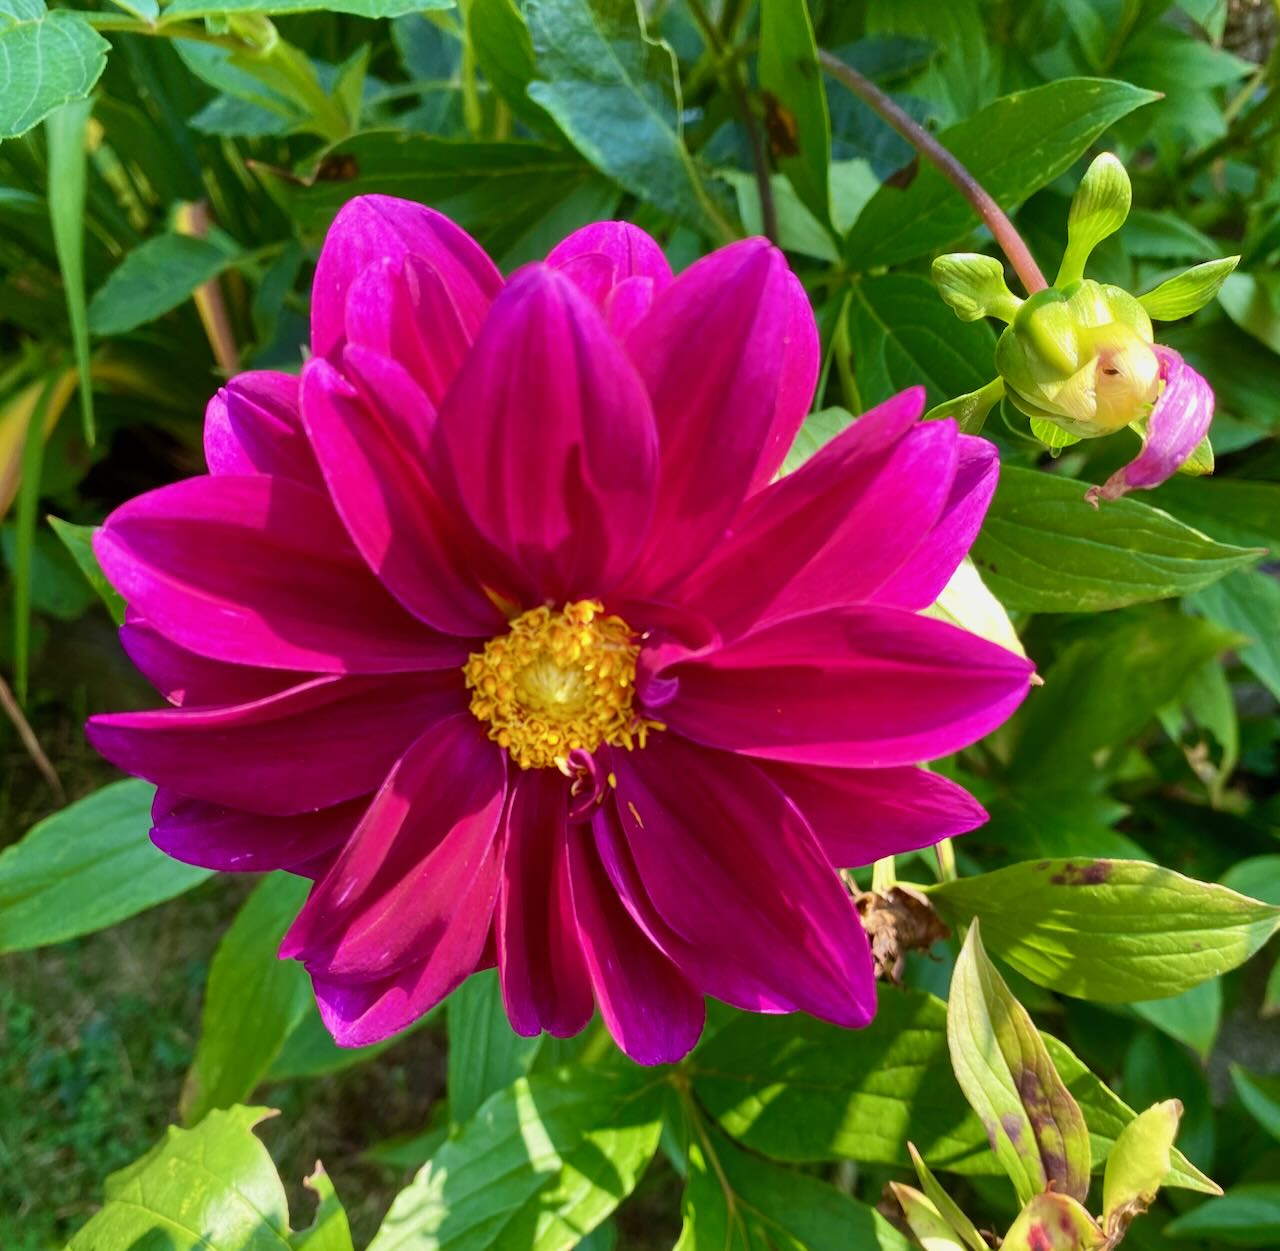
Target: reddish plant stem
(1002, 229)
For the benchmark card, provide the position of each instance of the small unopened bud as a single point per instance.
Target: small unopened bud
(1098, 209)
(1081, 358)
(974, 286)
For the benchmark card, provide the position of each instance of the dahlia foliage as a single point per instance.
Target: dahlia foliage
(500, 625)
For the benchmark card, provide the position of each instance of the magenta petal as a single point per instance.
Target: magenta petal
(549, 440)
(252, 425)
(187, 680)
(373, 228)
(425, 851)
(929, 568)
(862, 815)
(1179, 421)
(233, 841)
(802, 358)
(858, 687)
(652, 1010)
(833, 532)
(321, 743)
(715, 352)
(364, 439)
(618, 266)
(742, 897)
(259, 571)
(404, 309)
(545, 983)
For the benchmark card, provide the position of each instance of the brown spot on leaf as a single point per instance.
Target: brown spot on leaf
(1093, 873)
(338, 167)
(780, 124)
(902, 179)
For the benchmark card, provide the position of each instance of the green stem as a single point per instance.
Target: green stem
(995, 218)
(116, 23)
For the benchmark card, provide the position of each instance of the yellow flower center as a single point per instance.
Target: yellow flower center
(559, 682)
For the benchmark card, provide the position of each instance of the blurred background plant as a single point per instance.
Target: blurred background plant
(165, 179)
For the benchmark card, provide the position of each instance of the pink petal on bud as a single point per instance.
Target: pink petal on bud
(1178, 422)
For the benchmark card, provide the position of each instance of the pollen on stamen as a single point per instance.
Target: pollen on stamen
(559, 682)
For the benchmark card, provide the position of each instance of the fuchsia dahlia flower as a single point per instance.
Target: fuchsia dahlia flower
(497, 626)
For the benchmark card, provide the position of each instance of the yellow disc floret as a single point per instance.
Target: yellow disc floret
(558, 682)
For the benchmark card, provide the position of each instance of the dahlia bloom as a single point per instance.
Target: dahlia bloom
(497, 625)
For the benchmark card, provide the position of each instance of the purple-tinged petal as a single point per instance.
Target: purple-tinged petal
(723, 873)
(404, 309)
(1179, 421)
(231, 840)
(252, 425)
(801, 362)
(618, 266)
(187, 680)
(314, 745)
(833, 532)
(653, 1012)
(929, 568)
(861, 687)
(258, 570)
(715, 352)
(548, 440)
(426, 849)
(545, 983)
(372, 228)
(364, 440)
(862, 815)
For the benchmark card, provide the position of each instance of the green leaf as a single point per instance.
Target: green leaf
(154, 279)
(485, 1053)
(1192, 1017)
(46, 60)
(66, 131)
(738, 1202)
(798, 229)
(1253, 303)
(184, 10)
(1188, 292)
(1261, 1096)
(1246, 1216)
(615, 94)
(1013, 147)
(1043, 549)
(792, 85)
(1113, 931)
(1248, 602)
(1258, 877)
(85, 868)
(1035, 1126)
(903, 335)
(1138, 1165)
(1231, 510)
(818, 430)
(212, 1188)
(252, 1001)
(925, 1220)
(309, 1050)
(945, 1206)
(538, 1167)
(1105, 687)
(971, 409)
(78, 540)
(503, 49)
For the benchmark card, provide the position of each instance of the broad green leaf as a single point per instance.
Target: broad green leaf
(1113, 931)
(538, 1167)
(309, 1050)
(485, 1053)
(86, 868)
(1035, 1126)
(46, 60)
(798, 229)
(615, 94)
(818, 430)
(1193, 1017)
(795, 98)
(57, 587)
(1013, 147)
(903, 335)
(1188, 292)
(1246, 1216)
(1104, 688)
(1231, 510)
(1068, 821)
(1043, 549)
(1138, 1165)
(78, 540)
(1253, 303)
(1053, 1222)
(1257, 877)
(153, 280)
(212, 1188)
(1260, 1096)
(252, 1001)
(504, 51)
(1248, 602)
(734, 1201)
(66, 131)
(966, 602)
(186, 9)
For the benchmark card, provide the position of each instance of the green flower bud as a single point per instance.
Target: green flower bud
(1098, 209)
(1081, 358)
(974, 286)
